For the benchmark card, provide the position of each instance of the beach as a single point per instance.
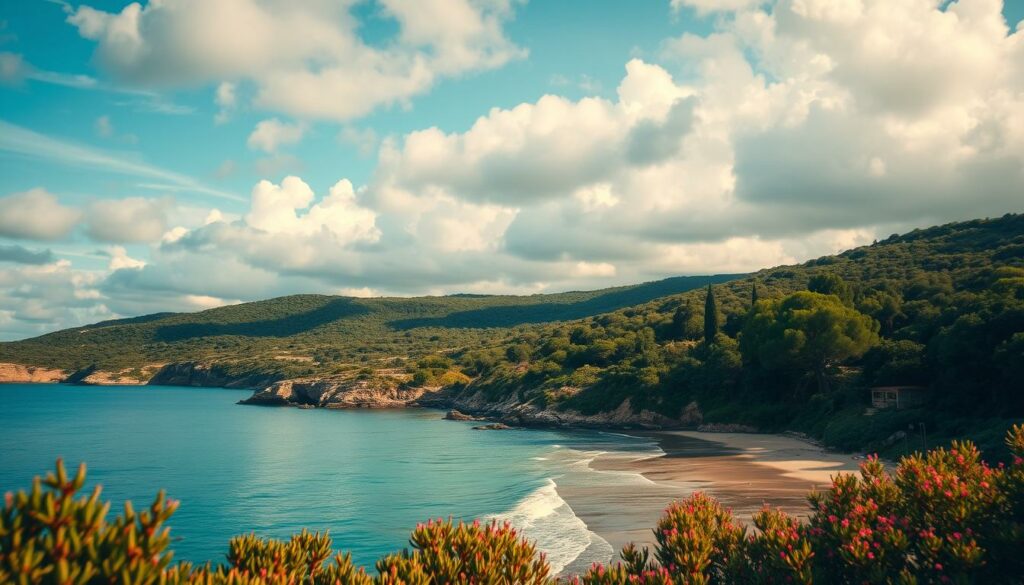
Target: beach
(743, 471)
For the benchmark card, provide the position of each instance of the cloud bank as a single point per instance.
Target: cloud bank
(796, 128)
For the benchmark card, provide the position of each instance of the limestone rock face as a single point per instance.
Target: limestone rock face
(341, 392)
(17, 373)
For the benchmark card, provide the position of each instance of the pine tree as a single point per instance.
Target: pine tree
(710, 317)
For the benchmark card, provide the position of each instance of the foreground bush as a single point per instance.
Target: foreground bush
(942, 517)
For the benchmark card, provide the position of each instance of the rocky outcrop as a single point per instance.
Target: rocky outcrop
(339, 392)
(91, 376)
(17, 373)
(493, 427)
(200, 374)
(456, 415)
(381, 391)
(513, 412)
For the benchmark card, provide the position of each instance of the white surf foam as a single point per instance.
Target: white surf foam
(548, 520)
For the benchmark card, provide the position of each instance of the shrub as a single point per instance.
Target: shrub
(444, 552)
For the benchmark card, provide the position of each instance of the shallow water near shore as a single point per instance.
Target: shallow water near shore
(368, 476)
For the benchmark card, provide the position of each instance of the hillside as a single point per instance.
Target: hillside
(307, 335)
(941, 309)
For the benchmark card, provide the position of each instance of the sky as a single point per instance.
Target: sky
(179, 155)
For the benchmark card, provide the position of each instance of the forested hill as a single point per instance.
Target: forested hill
(799, 347)
(305, 335)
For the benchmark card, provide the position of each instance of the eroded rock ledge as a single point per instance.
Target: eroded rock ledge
(340, 392)
(17, 373)
(377, 392)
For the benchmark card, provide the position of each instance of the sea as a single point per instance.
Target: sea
(367, 476)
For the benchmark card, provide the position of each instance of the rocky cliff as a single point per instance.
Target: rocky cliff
(384, 392)
(513, 412)
(17, 373)
(200, 374)
(339, 392)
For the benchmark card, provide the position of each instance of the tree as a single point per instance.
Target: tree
(710, 317)
(686, 322)
(753, 294)
(808, 331)
(518, 353)
(830, 283)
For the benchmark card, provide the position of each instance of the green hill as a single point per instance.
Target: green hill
(941, 309)
(316, 334)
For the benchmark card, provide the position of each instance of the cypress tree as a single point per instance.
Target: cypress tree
(710, 317)
(753, 295)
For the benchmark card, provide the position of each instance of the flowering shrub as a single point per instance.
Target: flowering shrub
(942, 517)
(779, 551)
(444, 552)
(699, 539)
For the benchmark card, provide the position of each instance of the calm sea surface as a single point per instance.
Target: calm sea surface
(368, 476)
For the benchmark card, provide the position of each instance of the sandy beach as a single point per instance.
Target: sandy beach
(744, 471)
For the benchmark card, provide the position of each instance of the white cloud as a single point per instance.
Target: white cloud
(120, 260)
(274, 211)
(796, 128)
(273, 133)
(128, 220)
(304, 58)
(38, 299)
(36, 214)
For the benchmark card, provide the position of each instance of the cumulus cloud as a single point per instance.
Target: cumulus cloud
(39, 298)
(793, 129)
(304, 58)
(270, 134)
(128, 220)
(36, 214)
(120, 260)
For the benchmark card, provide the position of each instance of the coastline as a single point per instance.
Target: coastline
(744, 471)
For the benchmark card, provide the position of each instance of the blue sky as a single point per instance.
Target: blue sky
(677, 137)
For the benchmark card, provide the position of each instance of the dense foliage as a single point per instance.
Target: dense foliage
(305, 335)
(799, 346)
(943, 517)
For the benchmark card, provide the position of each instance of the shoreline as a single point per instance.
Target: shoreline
(744, 471)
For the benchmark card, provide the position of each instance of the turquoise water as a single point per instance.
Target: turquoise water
(368, 476)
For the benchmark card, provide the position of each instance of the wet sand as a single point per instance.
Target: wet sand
(743, 471)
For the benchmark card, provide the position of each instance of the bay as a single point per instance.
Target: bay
(368, 476)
